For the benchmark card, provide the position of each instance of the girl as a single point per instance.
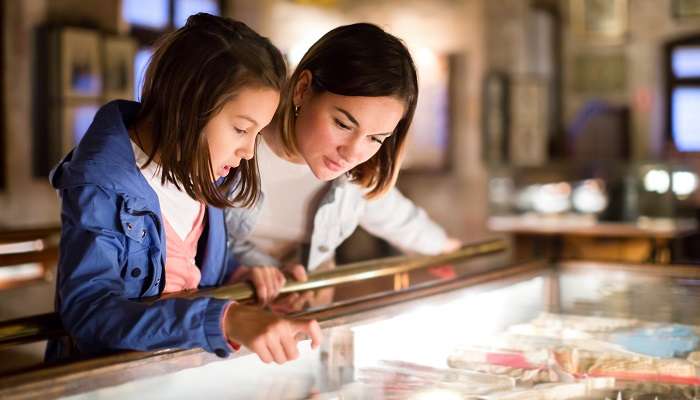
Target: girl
(142, 198)
(343, 119)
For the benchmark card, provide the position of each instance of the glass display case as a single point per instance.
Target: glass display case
(485, 328)
(634, 212)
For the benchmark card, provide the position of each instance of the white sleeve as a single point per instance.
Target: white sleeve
(399, 221)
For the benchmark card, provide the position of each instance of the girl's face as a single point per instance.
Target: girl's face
(336, 133)
(231, 133)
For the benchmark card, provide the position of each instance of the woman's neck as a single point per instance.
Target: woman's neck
(272, 135)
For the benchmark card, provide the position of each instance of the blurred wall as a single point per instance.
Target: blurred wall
(28, 200)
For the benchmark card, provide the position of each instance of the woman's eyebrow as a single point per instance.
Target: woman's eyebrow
(349, 116)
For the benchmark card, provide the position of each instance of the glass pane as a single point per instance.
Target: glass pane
(143, 55)
(685, 119)
(686, 62)
(146, 13)
(185, 8)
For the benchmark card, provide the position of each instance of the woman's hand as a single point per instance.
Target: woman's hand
(271, 337)
(452, 244)
(298, 301)
(267, 281)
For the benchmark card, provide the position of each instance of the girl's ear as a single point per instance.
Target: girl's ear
(301, 87)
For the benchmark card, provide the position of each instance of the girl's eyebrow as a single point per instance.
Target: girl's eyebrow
(254, 122)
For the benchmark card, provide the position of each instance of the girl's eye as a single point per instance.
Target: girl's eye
(240, 131)
(341, 125)
(376, 139)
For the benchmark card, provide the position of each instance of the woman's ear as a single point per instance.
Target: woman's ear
(301, 87)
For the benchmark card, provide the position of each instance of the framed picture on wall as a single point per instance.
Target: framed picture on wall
(2, 104)
(529, 125)
(427, 147)
(685, 9)
(496, 121)
(76, 63)
(70, 124)
(600, 73)
(600, 21)
(118, 54)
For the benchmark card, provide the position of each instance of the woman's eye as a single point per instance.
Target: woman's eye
(341, 125)
(376, 139)
(240, 131)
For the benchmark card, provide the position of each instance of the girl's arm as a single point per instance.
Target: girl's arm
(399, 221)
(92, 291)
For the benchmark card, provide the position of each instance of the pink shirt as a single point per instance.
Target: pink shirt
(181, 272)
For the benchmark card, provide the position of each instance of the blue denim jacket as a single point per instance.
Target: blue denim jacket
(112, 253)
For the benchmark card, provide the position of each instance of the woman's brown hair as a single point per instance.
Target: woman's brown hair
(358, 60)
(193, 73)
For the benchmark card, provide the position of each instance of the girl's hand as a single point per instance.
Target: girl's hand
(271, 337)
(267, 281)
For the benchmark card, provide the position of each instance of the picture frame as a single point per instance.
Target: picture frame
(600, 73)
(77, 61)
(600, 21)
(530, 108)
(496, 118)
(685, 9)
(70, 121)
(118, 54)
(429, 137)
(2, 104)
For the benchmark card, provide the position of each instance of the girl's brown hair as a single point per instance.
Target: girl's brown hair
(358, 60)
(193, 72)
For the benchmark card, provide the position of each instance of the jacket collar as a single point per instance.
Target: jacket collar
(104, 156)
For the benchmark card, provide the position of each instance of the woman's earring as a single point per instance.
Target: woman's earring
(296, 111)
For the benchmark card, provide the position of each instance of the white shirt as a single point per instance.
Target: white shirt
(283, 222)
(176, 206)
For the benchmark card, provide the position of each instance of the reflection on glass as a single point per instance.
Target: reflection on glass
(185, 8)
(553, 198)
(143, 55)
(684, 183)
(685, 62)
(685, 118)
(589, 196)
(146, 13)
(657, 180)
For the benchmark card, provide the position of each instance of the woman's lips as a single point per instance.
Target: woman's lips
(332, 165)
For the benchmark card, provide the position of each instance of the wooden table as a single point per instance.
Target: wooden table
(555, 236)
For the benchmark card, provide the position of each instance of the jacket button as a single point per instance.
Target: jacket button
(129, 226)
(221, 353)
(135, 272)
(143, 234)
(322, 248)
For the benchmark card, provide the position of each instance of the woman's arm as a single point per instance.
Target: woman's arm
(399, 221)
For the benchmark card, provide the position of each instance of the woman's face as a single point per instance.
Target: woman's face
(336, 133)
(231, 133)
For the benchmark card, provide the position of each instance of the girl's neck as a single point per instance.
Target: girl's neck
(272, 136)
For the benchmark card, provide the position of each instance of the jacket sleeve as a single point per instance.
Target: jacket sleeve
(91, 290)
(399, 221)
(239, 224)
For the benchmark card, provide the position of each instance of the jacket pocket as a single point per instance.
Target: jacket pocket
(138, 272)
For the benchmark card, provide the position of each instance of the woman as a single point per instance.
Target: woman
(330, 157)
